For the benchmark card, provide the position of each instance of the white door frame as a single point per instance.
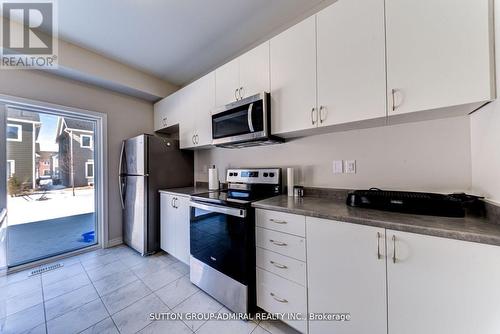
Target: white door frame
(101, 161)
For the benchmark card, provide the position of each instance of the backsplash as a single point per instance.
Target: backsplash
(422, 156)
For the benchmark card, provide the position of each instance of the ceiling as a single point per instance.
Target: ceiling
(176, 40)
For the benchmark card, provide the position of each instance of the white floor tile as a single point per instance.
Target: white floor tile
(79, 319)
(181, 267)
(199, 303)
(161, 278)
(167, 326)
(107, 326)
(260, 330)
(22, 321)
(19, 288)
(114, 281)
(62, 273)
(136, 316)
(176, 292)
(106, 270)
(277, 327)
(40, 329)
(58, 306)
(125, 296)
(67, 285)
(20, 302)
(227, 326)
(98, 261)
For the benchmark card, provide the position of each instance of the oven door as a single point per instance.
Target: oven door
(241, 121)
(220, 237)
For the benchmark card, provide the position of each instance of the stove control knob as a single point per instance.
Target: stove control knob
(265, 174)
(271, 174)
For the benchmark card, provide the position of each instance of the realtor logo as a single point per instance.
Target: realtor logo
(29, 34)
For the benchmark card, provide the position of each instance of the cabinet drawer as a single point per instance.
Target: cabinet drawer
(278, 295)
(281, 243)
(280, 221)
(286, 267)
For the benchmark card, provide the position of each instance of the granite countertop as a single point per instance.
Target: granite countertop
(473, 229)
(187, 191)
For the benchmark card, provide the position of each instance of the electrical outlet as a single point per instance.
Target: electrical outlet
(350, 166)
(338, 167)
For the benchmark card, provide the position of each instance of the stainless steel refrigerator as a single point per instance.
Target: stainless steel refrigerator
(147, 164)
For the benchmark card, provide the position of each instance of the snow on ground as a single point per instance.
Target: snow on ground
(58, 203)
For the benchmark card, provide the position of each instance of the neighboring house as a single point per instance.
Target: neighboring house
(76, 152)
(45, 163)
(23, 128)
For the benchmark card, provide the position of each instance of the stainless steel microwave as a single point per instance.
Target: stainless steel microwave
(244, 123)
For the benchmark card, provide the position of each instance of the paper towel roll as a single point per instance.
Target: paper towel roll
(290, 183)
(213, 178)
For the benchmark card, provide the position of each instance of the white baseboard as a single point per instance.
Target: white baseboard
(114, 242)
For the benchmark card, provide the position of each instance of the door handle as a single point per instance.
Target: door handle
(236, 94)
(120, 165)
(277, 221)
(394, 258)
(277, 243)
(312, 115)
(249, 118)
(281, 300)
(321, 119)
(278, 265)
(193, 140)
(379, 256)
(197, 139)
(172, 202)
(240, 94)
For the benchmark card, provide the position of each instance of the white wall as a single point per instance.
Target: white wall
(127, 117)
(424, 156)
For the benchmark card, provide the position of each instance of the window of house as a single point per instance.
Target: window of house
(89, 169)
(11, 168)
(14, 132)
(86, 141)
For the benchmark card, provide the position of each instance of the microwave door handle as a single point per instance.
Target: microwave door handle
(250, 122)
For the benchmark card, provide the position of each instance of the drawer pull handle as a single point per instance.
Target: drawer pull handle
(281, 300)
(278, 265)
(277, 221)
(277, 243)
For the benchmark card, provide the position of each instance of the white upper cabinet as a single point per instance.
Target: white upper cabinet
(439, 53)
(439, 285)
(254, 71)
(346, 268)
(195, 130)
(351, 62)
(243, 76)
(293, 78)
(227, 83)
(167, 112)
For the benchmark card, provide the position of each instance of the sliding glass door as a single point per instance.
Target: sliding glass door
(50, 165)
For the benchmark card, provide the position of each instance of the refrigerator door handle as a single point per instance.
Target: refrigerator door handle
(120, 184)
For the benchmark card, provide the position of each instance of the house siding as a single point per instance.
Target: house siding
(22, 153)
(81, 155)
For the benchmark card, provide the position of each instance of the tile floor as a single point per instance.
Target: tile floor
(113, 291)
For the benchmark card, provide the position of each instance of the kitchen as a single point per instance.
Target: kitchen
(344, 165)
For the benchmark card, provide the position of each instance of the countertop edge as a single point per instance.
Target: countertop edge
(396, 226)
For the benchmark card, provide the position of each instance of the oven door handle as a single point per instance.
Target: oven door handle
(241, 213)
(250, 122)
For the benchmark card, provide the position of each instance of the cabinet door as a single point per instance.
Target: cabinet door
(293, 78)
(182, 229)
(167, 111)
(227, 82)
(351, 62)
(439, 53)
(206, 104)
(346, 274)
(442, 285)
(254, 71)
(167, 223)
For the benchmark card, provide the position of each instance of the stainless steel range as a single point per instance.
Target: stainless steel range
(222, 231)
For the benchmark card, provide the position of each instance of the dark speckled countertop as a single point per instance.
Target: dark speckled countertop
(187, 191)
(473, 229)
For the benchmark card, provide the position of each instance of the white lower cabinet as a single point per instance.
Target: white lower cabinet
(439, 285)
(174, 225)
(346, 274)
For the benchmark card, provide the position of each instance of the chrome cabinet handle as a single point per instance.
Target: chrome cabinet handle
(312, 115)
(172, 202)
(281, 300)
(236, 94)
(278, 221)
(379, 256)
(277, 243)
(196, 139)
(164, 121)
(394, 259)
(321, 119)
(393, 91)
(240, 93)
(175, 202)
(278, 265)
(193, 140)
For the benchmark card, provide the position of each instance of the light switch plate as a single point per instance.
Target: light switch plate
(350, 166)
(338, 167)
